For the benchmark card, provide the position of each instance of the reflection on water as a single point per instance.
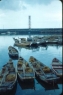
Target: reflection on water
(47, 86)
(60, 81)
(27, 84)
(34, 49)
(44, 54)
(13, 91)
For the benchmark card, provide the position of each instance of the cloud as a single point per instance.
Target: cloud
(10, 4)
(42, 16)
(18, 4)
(33, 2)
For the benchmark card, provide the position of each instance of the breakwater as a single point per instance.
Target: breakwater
(46, 31)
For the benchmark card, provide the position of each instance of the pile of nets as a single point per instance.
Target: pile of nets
(10, 77)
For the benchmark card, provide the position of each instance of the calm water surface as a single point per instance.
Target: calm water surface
(44, 54)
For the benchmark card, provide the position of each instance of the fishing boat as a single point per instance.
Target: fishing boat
(16, 41)
(29, 38)
(22, 44)
(13, 52)
(8, 77)
(43, 72)
(25, 72)
(57, 67)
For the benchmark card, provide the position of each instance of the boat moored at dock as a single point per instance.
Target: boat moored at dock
(8, 77)
(13, 52)
(57, 67)
(42, 71)
(24, 70)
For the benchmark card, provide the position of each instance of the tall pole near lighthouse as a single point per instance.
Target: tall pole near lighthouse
(29, 18)
(29, 22)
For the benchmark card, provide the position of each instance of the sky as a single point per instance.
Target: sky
(14, 14)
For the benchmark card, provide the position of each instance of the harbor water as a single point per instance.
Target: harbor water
(44, 54)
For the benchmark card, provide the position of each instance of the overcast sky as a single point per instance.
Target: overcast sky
(44, 13)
